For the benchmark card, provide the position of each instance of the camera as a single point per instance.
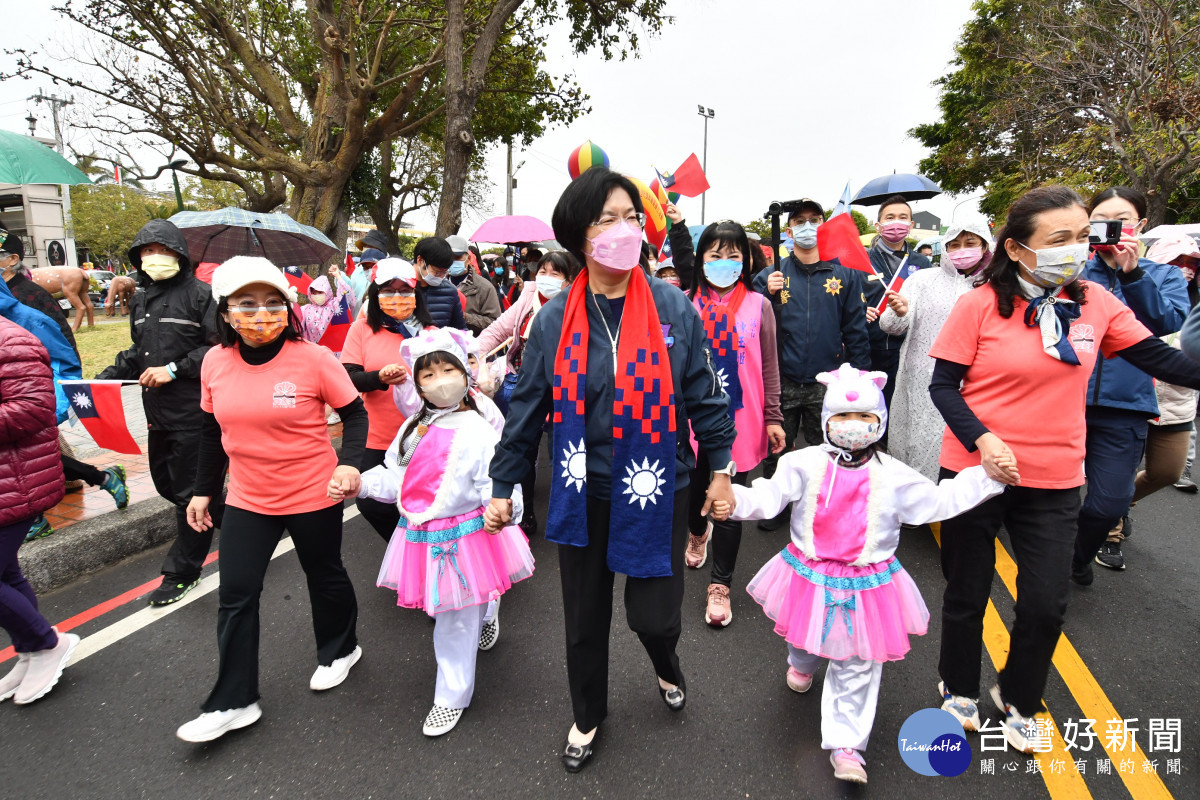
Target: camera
(1105, 232)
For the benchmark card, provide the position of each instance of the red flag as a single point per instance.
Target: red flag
(689, 180)
(98, 406)
(339, 325)
(117, 173)
(903, 272)
(297, 279)
(838, 238)
(350, 265)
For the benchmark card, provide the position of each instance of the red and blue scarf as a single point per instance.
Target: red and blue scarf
(720, 325)
(643, 435)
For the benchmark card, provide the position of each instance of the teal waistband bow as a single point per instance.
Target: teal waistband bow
(442, 555)
(831, 606)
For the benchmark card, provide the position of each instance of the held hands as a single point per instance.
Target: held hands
(775, 282)
(198, 518)
(346, 482)
(393, 374)
(897, 302)
(673, 213)
(155, 376)
(719, 498)
(497, 514)
(776, 438)
(997, 459)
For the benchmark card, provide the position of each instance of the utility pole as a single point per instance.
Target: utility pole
(708, 114)
(510, 181)
(56, 104)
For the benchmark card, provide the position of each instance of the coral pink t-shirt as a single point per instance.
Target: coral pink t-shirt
(1032, 401)
(372, 351)
(272, 419)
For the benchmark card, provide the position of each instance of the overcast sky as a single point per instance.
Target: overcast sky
(807, 96)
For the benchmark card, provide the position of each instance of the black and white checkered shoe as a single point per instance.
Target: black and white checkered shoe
(491, 631)
(441, 720)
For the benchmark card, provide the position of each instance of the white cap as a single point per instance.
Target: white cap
(446, 340)
(241, 271)
(851, 389)
(457, 244)
(391, 269)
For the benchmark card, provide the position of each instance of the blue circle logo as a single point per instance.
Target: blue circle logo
(931, 743)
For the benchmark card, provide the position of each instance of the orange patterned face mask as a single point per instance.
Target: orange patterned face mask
(398, 306)
(258, 325)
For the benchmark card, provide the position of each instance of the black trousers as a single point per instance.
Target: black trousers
(1116, 442)
(727, 535)
(652, 607)
(75, 470)
(382, 516)
(1041, 528)
(172, 458)
(247, 541)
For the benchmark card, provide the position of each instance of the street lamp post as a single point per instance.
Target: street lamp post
(708, 114)
(174, 165)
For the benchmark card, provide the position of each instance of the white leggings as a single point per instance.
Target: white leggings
(848, 697)
(455, 645)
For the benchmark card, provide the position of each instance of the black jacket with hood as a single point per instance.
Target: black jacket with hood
(171, 321)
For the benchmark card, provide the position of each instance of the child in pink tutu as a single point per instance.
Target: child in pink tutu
(837, 591)
(440, 559)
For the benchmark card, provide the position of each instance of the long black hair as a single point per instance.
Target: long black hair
(375, 315)
(582, 202)
(722, 234)
(228, 337)
(1002, 271)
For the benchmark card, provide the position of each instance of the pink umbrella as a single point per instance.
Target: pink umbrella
(513, 229)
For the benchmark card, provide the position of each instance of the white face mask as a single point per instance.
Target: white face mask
(853, 434)
(548, 286)
(445, 392)
(1058, 266)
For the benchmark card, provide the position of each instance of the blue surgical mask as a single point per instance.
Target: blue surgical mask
(805, 235)
(723, 272)
(458, 268)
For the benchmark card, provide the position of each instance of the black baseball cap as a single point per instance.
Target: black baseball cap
(11, 243)
(806, 204)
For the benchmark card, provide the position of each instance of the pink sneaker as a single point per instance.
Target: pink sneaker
(799, 681)
(848, 765)
(697, 549)
(718, 613)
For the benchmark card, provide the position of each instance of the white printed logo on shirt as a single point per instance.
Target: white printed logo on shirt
(284, 396)
(1083, 338)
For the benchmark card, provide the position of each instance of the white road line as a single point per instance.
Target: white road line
(151, 614)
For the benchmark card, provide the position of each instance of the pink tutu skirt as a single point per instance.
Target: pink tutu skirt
(837, 610)
(453, 564)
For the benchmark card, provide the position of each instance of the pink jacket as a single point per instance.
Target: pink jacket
(31, 475)
(504, 327)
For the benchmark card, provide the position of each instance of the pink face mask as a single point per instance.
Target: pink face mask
(618, 247)
(672, 281)
(965, 259)
(895, 232)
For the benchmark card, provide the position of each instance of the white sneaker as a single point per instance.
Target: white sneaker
(329, 677)
(10, 682)
(215, 724)
(963, 709)
(491, 630)
(1022, 732)
(441, 720)
(45, 668)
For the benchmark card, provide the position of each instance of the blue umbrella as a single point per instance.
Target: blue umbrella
(216, 236)
(913, 187)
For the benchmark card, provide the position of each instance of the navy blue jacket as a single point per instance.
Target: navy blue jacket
(881, 340)
(822, 319)
(444, 305)
(699, 398)
(1157, 295)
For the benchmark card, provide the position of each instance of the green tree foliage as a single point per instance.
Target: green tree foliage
(1087, 93)
(106, 218)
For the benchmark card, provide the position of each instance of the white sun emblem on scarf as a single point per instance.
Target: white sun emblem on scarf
(724, 379)
(643, 482)
(574, 465)
(81, 400)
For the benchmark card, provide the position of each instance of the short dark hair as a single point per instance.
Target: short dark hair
(562, 261)
(722, 234)
(532, 255)
(928, 247)
(375, 315)
(894, 200)
(1001, 272)
(228, 337)
(583, 201)
(1126, 193)
(434, 251)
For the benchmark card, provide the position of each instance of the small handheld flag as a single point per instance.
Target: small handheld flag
(903, 273)
(339, 325)
(297, 279)
(98, 406)
(838, 238)
(689, 180)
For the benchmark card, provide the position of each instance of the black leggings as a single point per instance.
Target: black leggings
(74, 470)
(382, 516)
(247, 541)
(727, 535)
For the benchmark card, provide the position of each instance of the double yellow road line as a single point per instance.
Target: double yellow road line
(1063, 779)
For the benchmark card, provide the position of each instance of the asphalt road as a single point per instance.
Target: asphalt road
(107, 730)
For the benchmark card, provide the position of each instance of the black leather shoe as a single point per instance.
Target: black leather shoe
(576, 756)
(675, 698)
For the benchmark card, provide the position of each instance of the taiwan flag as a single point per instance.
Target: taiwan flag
(98, 406)
(838, 238)
(339, 325)
(689, 180)
(903, 273)
(298, 279)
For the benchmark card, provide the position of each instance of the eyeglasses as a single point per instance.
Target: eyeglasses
(253, 311)
(395, 294)
(608, 220)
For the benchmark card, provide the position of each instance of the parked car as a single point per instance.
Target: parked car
(99, 280)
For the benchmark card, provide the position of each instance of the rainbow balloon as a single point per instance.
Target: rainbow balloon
(656, 218)
(584, 157)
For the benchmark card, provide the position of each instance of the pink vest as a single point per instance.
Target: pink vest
(750, 446)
